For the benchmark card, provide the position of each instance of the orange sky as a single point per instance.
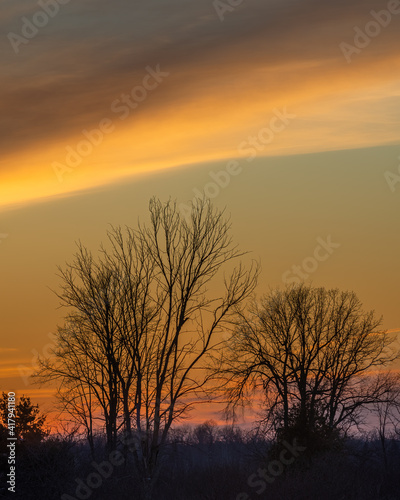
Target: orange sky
(221, 84)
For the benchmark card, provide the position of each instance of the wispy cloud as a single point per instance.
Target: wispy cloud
(225, 78)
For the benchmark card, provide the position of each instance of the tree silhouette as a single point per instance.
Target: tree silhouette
(29, 423)
(312, 352)
(144, 323)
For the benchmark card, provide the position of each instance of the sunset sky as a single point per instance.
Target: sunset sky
(302, 118)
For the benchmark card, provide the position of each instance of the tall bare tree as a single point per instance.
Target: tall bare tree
(144, 320)
(311, 352)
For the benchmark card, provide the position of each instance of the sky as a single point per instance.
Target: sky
(286, 113)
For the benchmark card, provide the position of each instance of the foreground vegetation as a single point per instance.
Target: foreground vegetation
(210, 462)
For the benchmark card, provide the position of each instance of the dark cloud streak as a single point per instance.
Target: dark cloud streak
(65, 79)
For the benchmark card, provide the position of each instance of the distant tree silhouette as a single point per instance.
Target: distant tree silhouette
(387, 410)
(312, 353)
(29, 423)
(205, 433)
(143, 322)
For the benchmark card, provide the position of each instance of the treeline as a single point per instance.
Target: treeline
(210, 462)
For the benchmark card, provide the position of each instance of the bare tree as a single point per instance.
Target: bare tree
(88, 352)
(78, 400)
(311, 352)
(144, 321)
(387, 411)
